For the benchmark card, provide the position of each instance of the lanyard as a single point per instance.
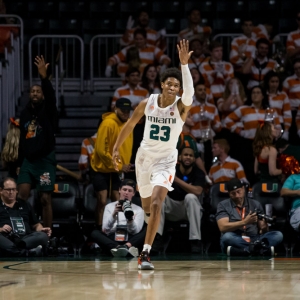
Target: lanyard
(242, 214)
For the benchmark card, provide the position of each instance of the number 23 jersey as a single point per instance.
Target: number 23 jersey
(162, 127)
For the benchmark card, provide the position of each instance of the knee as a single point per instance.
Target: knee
(42, 238)
(156, 205)
(191, 199)
(46, 199)
(227, 238)
(278, 236)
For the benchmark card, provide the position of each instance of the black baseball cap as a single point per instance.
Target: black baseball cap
(234, 184)
(128, 182)
(124, 103)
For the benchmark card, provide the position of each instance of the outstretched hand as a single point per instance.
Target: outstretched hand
(183, 50)
(41, 65)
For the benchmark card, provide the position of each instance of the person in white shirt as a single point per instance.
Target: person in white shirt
(121, 219)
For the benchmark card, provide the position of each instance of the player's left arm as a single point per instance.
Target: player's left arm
(185, 103)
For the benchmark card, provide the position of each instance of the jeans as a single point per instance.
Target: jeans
(232, 239)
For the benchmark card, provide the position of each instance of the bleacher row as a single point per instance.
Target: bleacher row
(99, 17)
(74, 214)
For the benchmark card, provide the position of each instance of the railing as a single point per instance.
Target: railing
(10, 83)
(71, 58)
(20, 44)
(103, 46)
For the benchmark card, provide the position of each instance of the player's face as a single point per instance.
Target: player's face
(140, 41)
(123, 114)
(247, 27)
(297, 69)
(197, 47)
(200, 92)
(126, 192)
(170, 87)
(36, 94)
(133, 78)
(195, 17)
(187, 157)
(217, 53)
(151, 73)
(143, 19)
(274, 83)
(216, 150)
(263, 50)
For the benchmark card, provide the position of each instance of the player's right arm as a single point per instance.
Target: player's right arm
(126, 130)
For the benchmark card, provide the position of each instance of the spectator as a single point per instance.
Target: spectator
(293, 41)
(150, 80)
(131, 90)
(233, 97)
(38, 122)
(259, 65)
(244, 122)
(148, 54)
(87, 149)
(216, 72)
(243, 46)
(105, 177)
(265, 153)
(205, 122)
(243, 234)
(10, 152)
(285, 148)
(129, 217)
(20, 229)
(194, 28)
(183, 202)
(198, 56)
(279, 101)
(291, 86)
(226, 167)
(291, 188)
(154, 38)
(263, 31)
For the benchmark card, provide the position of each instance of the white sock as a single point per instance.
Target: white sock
(147, 248)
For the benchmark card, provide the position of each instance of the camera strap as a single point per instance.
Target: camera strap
(242, 214)
(121, 234)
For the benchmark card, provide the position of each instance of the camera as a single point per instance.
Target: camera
(16, 239)
(262, 216)
(127, 209)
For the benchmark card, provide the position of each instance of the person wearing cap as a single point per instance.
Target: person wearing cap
(183, 203)
(243, 234)
(115, 215)
(106, 178)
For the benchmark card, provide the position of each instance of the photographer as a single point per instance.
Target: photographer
(123, 222)
(19, 228)
(244, 230)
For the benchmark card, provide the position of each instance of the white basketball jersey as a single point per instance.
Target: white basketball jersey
(162, 128)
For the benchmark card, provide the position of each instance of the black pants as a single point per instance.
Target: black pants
(31, 240)
(107, 242)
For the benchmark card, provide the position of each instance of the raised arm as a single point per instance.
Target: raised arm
(126, 130)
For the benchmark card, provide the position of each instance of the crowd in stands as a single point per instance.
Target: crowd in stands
(245, 113)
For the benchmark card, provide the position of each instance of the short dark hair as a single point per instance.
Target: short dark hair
(246, 19)
(265, 100)
(184, 146)
(262, 41)
(200, 82)
(215, 44)
(132, 70)
(192, 9)
(128, 182)
(35, 85)
(171, 72)
(141, 31)
(5, 180)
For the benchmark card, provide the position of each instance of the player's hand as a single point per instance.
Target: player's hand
(41, 65)
(183, 50)
(116, 159)
(251, 218)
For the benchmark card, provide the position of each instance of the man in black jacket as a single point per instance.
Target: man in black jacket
(37, 141)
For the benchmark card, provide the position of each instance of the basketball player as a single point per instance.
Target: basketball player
(157, 156)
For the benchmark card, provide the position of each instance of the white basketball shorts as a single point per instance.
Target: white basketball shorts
(152, 171)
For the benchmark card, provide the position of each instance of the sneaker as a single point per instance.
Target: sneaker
(133, 251)
(196, 246)
(120, 251)
(36, 252)
(233, 251)
(269, 252)
(144, 262)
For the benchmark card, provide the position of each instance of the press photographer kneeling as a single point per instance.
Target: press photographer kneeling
(244, 231)
(20, 229)
(123, 224)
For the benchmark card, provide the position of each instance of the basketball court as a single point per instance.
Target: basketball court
(174, 277)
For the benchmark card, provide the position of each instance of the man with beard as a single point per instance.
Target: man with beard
(37, 141)
(183, 202)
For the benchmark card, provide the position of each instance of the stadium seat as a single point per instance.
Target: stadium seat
(37, 9)
(232, 25)
(258, 8)
(162, 8)
(71, 10)
(289, 8)
(235, 11)
(35, 26)
(98, 26)
(17, 7)
(68, 26)
(287, 25)
(104, 9)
